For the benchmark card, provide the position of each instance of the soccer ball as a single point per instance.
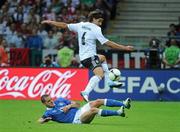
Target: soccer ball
(114, 74)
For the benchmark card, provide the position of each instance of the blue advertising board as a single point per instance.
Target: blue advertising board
(147, 85)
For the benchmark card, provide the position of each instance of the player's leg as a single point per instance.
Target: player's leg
(93, 82)
(89, 115)
(95, 65)
(110, 103)
(115, 103)
(104, 64)
(111, 84)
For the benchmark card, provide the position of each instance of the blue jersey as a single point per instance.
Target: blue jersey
(57, 114)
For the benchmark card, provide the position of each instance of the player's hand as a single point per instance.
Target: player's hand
(43, 120)
(130, 48)
(47, 119)
(66, 108)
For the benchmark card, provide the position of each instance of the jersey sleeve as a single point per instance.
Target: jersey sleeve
(73, 27)
(63, 100)
(99, 36)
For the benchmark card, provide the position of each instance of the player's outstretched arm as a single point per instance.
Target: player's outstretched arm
(54, 23)
(43, 120)
(114, 45)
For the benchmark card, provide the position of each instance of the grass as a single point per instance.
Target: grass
(21, 116)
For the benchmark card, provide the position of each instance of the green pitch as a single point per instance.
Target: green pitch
(21, 116)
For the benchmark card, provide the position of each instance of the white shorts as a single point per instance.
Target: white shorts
(81, 111)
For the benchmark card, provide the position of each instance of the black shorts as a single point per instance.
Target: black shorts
(91, 62)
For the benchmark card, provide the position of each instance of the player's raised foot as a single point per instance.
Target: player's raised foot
(127, 103)
(121, 111)
(115, 84)
(85, 96)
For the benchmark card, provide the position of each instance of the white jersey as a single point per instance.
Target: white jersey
(88, 33)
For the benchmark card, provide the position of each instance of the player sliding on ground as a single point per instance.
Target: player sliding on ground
(88, 33)
(66, 111)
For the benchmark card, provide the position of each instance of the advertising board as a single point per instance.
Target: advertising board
(31, 83)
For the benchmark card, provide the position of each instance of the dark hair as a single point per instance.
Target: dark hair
(95, 14)
(172, 25)
(43, 98)
(154, 43)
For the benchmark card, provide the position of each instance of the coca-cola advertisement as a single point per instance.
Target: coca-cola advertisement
(31, 83)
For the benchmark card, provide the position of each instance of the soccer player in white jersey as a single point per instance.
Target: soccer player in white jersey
(88, 33)
(65, 111)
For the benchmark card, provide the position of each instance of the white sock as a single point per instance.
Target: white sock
(106, 71)
(105, 68)
(105, 102)
(99, 112)
(93, 82)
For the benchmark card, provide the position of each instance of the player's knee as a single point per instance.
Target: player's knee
(102, 58)
(99, 72)
(98, 101)
(101, 76)
(94, 110)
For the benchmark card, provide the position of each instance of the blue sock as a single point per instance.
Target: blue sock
(113, 103)
(108, 113)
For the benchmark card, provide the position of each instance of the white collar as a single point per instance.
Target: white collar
(48, 108)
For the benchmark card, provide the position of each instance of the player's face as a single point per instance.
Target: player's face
(98, 21)
(49, 102)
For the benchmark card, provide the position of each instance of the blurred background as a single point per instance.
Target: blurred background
(151, 26)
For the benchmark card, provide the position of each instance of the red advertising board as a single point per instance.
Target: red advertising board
(32, 83)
